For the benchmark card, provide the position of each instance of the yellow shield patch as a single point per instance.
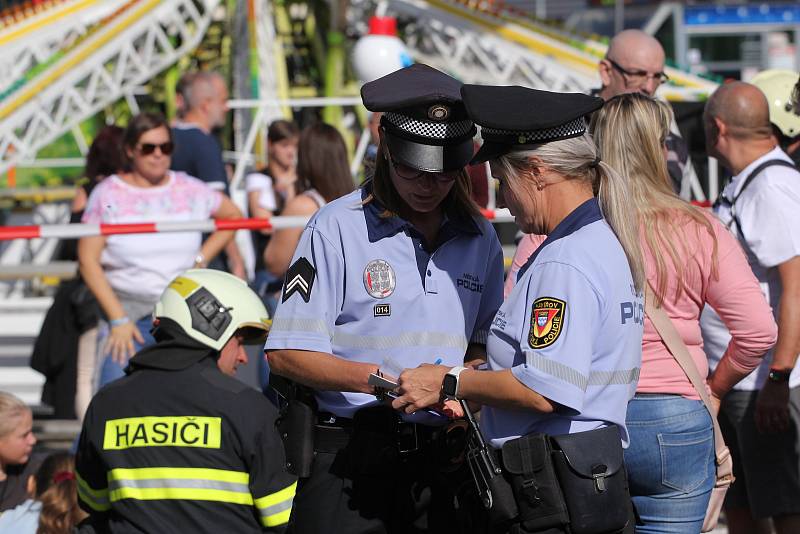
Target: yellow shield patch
(547, 318)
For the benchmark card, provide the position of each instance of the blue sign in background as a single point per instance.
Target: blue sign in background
(749, 14)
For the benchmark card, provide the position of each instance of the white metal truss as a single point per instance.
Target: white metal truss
(111, 62)
(35, 40)
(271, 75)
(476, 55)
(271, 63)
(480, 47)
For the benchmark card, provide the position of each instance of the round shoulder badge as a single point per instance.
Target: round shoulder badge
(379, 279)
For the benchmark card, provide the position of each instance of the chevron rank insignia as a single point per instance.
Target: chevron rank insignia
(299, 279)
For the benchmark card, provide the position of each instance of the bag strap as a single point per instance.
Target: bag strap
(722, 199)
(666, 329)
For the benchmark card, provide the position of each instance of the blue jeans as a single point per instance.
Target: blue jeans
(111, 370)
(670, 462)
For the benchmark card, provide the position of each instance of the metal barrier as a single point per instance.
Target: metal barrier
(75, 231)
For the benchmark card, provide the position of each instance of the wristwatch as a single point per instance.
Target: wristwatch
(778, 375)
(450, 383)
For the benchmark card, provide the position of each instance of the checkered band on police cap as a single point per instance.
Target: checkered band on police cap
(432, 130)
(572, 128)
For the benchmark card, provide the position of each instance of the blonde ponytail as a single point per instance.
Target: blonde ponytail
(576, 159)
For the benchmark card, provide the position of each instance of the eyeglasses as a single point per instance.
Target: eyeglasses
(638, 77)
(148, 148)
(407, 173)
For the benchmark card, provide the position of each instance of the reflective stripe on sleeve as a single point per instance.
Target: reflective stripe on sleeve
(577, 379)
(96, 499)
(155, 483)
(610, 378)
(404, 340)
(297, 324)
(276, 508)
(557, 370)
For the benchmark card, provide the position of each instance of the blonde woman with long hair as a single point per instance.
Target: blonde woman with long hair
(691, 260)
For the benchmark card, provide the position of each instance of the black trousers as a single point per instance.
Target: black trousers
(365, 487)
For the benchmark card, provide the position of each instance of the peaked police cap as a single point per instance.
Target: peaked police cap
(424, 121)
(513, 118)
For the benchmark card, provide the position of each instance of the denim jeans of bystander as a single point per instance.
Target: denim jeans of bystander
(670, 462)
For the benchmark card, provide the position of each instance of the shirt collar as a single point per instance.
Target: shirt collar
(586, 213)
(736, 182)
(379, 227)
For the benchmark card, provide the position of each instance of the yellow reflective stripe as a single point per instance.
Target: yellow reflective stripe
(276, 508)
(277, 497)
(146, 494)
(189, 483)
(95, 499)
(275, 520)
(222, 475)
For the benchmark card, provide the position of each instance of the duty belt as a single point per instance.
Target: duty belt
(332, 433)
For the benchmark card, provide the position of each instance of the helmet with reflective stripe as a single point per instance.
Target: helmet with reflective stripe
(210, 306)
(778, 85)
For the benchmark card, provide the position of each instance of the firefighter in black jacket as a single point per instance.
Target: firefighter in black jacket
(177, 444)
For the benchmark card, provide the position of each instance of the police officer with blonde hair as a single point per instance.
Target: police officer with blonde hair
(178, 442)
(564, 349)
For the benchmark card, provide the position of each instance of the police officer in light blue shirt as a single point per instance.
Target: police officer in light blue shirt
(400, 273)
(565, 348)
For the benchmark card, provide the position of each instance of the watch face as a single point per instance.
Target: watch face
(779, 376)
(449, 385)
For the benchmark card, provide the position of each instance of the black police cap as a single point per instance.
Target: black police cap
(424, 121)
(512, 117)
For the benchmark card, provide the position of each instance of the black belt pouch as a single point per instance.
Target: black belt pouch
(528, 466)
(296, 428)
(589, 466)
(373, 449)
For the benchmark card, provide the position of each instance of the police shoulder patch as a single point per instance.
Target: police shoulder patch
(547, 319)
(299, 279)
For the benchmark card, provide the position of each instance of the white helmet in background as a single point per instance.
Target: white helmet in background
(778, 85)
(210, 306)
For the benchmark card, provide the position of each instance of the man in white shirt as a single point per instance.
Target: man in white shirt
(761, 205)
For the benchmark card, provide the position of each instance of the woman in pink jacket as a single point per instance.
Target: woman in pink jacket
(691, 260)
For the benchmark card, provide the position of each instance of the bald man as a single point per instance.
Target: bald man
(760, 416)
(634, 62)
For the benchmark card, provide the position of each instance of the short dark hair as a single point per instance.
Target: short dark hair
(138, 125)
(322, 162)
(105, 155)
(282, 129)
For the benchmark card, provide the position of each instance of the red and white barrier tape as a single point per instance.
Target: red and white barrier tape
(74, 231)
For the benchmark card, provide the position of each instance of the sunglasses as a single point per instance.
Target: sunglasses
(148, 148)
(407, 173)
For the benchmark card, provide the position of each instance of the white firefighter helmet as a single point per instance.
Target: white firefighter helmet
(778, 85)
(210, 306)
